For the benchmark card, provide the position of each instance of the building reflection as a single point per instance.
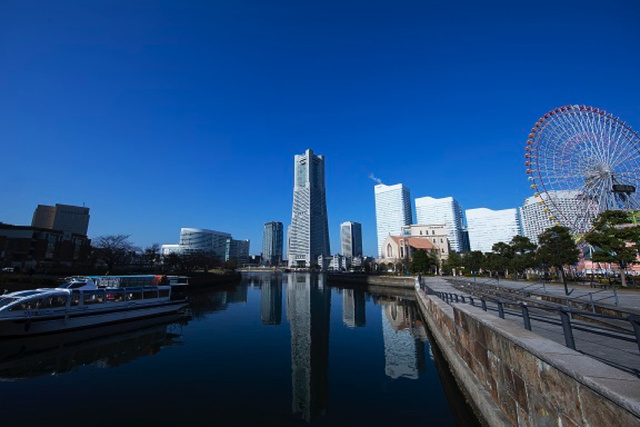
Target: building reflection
(102, 347)
(404, 336)
(207, 301)
(353, 308)
(271, 300)
(308, 312)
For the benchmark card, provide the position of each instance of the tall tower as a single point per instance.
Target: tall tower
(393, 211)
(351, 239)
(445, 211)
(272, 239)
(309, 230)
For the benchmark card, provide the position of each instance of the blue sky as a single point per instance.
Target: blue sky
(161, 115)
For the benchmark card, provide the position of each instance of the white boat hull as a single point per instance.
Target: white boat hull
(66, 320)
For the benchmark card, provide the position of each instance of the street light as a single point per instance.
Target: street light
(555, 237)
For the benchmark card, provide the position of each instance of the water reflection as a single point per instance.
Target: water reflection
(205, 301)
(103, 347)
(353, 308)
(404, 336)
(308, 311)
(271, 300)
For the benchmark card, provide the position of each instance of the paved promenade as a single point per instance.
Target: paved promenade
(615, 352)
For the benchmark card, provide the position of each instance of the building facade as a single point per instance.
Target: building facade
(351, 239)
(272, 241)
(445, 211)
(437, 233)
(488, 227)
(309, 231)
(193, 240)
(237, 250)
(536, 217)
(66, 218)
(393, 211)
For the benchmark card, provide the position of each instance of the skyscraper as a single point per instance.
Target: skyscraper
(535, 215)
(488, 227)
(445, 211)
(393, 211)
(272, 239)
(309, 230)
(351, 239)
(67, 218)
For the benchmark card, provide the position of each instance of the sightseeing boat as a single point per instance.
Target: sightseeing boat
(80, 303)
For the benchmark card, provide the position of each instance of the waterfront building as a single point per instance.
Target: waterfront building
(535, 216)
(27, 247)
(169, 249)
(237, 250)
(488, 227)
(308, 312)
(399, 248)
(309, 230)
(393, 211)
(194, 240)
(351, 239)
(272, 240)
(338, 263)
(67, 218)
(445, 211)
(437, 233)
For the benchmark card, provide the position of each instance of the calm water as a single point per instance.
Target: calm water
(281, 350)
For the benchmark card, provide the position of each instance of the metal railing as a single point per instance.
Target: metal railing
(565, 316)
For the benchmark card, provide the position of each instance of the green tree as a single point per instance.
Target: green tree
(151, 255)
(421, 262)
(616, 240)
(453, 262)
(558, 248)
(500, 259)
(473, 261)
(524, 251)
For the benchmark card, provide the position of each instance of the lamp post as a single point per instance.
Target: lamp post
(555, 237)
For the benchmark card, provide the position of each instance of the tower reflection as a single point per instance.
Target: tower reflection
(353, 308)
(308, 311)
(271, 300)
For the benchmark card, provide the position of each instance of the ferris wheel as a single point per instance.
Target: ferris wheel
(582, 161)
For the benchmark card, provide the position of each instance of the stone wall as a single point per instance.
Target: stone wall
(514, 376)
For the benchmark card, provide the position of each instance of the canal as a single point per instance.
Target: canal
(281, 350)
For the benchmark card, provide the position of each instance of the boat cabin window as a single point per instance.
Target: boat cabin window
(5, 301)
(75, 298)
(31, 304)
(149, 293)
(115, 295)
(93, 297)
(163, 293)
(54, 302)
(134, 294)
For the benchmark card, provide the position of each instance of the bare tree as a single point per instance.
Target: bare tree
(113, 250)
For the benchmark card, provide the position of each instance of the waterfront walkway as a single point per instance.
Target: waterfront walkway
(612, 342)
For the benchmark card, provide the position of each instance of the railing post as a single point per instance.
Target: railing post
(636, 328)
(456, 295)
(484, 304)
(471, 299)
(500, 309)
(462, 298)
(566, 329)
(593, 307)
(525, 317)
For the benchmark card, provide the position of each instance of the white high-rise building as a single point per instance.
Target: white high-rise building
(488, 227)
(351, 239)
(535, 215)
(309, 231)
(393, 211)
(445, 211)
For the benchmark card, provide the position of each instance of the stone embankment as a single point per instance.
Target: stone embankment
(516, 377)
(365, 279)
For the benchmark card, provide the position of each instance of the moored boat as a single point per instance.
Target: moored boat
(80, 303)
